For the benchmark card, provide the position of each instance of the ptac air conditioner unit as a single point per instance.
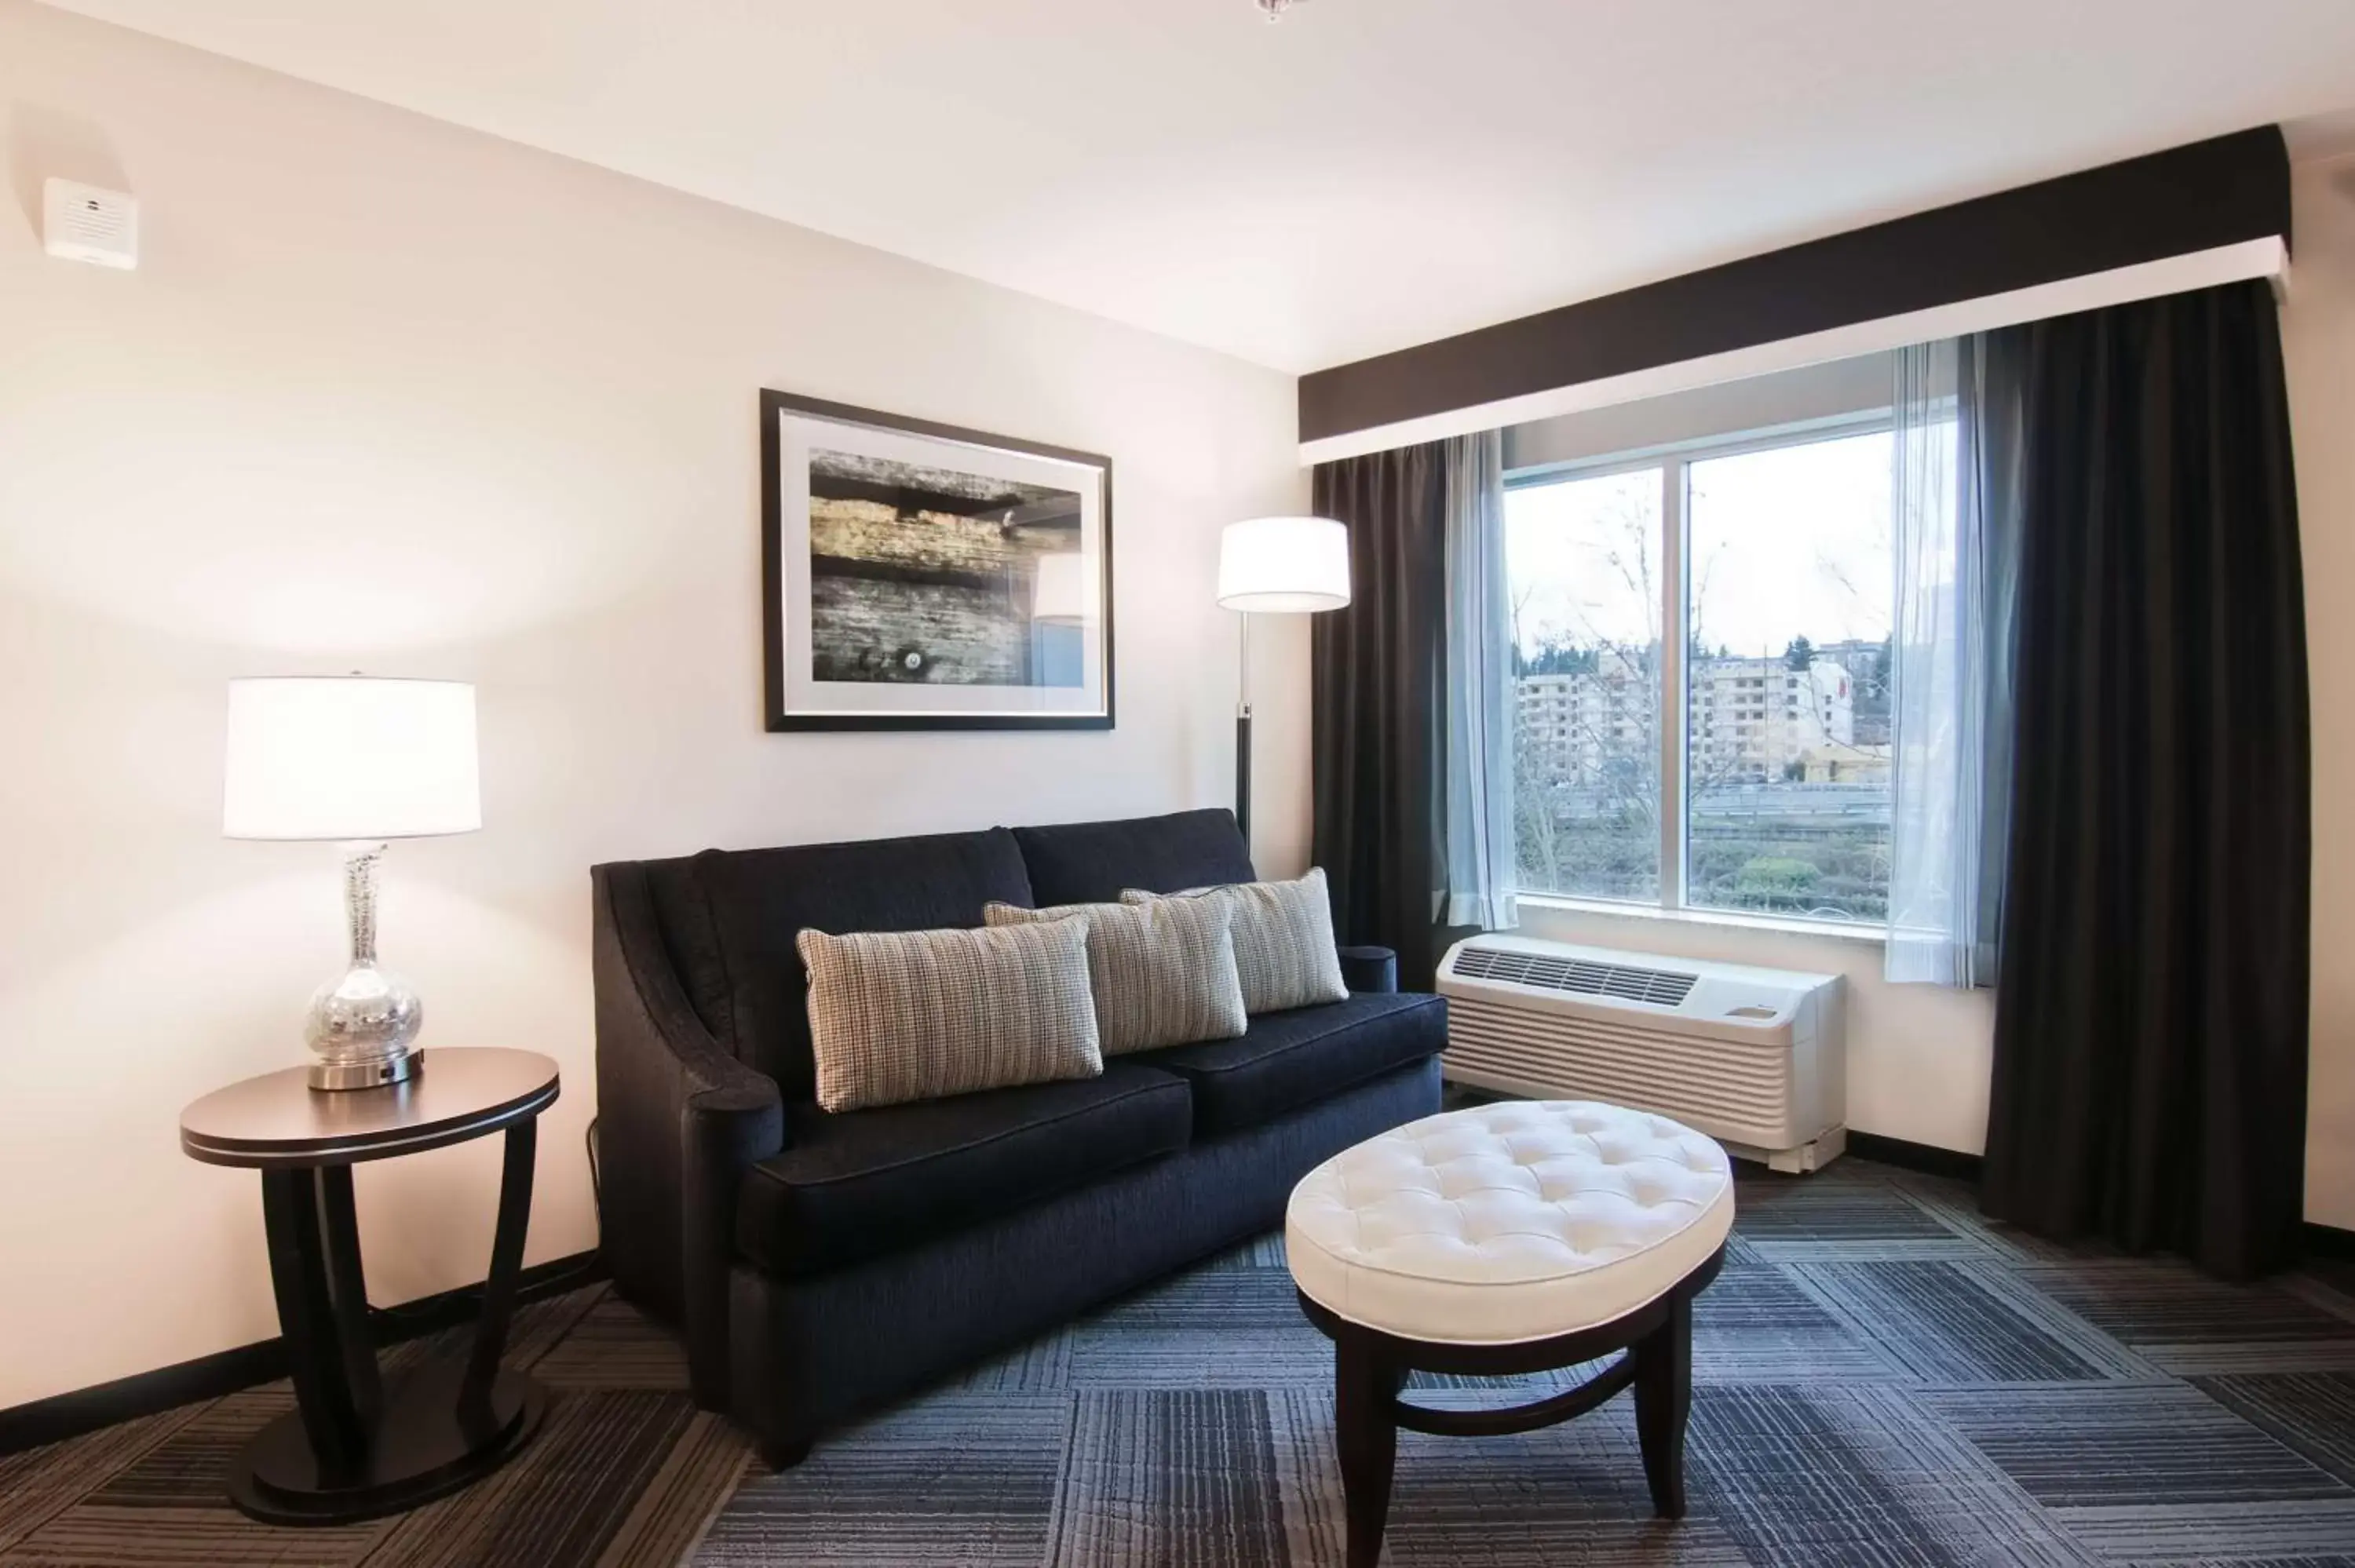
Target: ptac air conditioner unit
(1753, 1057)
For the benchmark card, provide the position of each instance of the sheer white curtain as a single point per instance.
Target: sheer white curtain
(1479, 793)
(1950, 709)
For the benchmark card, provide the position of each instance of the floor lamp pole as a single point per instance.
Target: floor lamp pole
(1243, 736)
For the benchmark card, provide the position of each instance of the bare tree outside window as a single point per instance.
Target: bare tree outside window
(1785, 618)
(1584, 561)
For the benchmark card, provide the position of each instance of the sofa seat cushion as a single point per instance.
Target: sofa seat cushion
(862, 1183)
(1287, 1059)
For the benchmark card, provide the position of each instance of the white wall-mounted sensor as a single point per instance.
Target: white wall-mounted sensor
(83, 223)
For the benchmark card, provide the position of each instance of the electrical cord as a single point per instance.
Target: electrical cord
(468, 1295)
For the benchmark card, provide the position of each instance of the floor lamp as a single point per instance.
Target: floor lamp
(1275, 566)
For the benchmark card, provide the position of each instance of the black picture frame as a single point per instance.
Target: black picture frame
(778, 715)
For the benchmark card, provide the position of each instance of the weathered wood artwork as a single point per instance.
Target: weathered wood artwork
(924, 577)
(927, 574)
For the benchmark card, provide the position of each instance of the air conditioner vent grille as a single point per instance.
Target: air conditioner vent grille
(1547, 971)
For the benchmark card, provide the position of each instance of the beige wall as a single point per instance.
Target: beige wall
(2318, 338)
(390, 394)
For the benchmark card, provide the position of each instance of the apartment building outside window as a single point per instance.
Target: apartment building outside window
(1702, 669)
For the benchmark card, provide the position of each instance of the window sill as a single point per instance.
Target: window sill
(1782, 925)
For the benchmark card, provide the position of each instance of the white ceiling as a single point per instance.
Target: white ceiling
(1363, 175)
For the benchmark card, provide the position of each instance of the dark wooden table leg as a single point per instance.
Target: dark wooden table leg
(347, 1290)
(1365, 1393)
(295, 1210)
(353, 1448)
(1663, 1400)
(474, 1412)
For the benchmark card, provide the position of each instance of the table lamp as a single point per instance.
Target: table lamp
(1283, 566)
(361, 760)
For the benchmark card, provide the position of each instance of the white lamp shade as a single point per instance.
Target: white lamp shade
(1064, 593)
(350, 758)
(1280, 565)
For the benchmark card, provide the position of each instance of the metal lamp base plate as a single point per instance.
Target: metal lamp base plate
(337, 1075)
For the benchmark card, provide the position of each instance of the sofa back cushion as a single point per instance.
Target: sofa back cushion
(1095, 863)
(683, 914)
(762, 900)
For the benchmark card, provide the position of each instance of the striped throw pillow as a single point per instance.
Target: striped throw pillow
(916, 1015)
(1284, 939)
(1163, 973)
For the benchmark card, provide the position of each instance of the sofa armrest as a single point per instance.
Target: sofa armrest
(679, 1122)
(724, 1131)
(1366, 971)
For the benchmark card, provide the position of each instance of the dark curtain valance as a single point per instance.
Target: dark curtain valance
(2150, 1047)
(2186, 199)
(1380, 726)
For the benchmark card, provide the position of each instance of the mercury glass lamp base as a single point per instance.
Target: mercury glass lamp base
(336, 1076)
(362, 1025)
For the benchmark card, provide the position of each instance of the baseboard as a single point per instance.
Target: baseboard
(1926, 1157)
(2329, 1240)
(81, 1410)
(2319, 1240)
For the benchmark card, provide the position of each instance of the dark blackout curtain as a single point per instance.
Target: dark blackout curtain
(1379, 737)
(2150, 1047)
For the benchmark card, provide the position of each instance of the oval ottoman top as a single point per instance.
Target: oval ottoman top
(1520, 1220)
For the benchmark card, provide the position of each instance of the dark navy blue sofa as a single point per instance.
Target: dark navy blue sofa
(817, 1264)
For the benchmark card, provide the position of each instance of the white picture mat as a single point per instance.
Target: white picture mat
(797, 433)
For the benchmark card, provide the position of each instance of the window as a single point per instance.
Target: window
(1583, 560)
(1768, 563)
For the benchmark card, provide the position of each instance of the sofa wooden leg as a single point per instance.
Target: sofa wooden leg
(783, 1452)
(1663, 1400)
(1365, 1405)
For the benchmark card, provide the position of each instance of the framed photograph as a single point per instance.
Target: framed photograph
(923, 577)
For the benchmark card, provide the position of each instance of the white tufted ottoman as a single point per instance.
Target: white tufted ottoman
(1513, 1238)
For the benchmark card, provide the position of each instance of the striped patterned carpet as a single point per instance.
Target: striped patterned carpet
(1883, 1381)
(625, 1472)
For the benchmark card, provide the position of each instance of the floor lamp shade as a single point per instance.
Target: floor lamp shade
(350, 758)
(362, 760)
(1284, 564)
(1277, 566)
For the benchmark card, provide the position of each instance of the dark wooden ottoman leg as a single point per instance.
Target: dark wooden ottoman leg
(1663, 1399)
(1370, 1368)
(1365, 1417)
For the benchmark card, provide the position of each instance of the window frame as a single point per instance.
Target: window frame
(1674, 459)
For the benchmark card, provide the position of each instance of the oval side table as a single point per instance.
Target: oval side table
(352, 1449)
